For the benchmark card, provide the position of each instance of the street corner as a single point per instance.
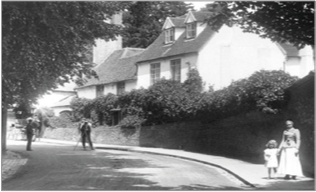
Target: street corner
(11, 162)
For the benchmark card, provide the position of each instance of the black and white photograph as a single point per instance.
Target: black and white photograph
(158, 95)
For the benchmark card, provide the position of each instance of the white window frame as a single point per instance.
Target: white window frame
(169, 35)
(154, 73)
(175, 69)
(191, 30)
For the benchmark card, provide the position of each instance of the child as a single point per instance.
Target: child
(270, 157)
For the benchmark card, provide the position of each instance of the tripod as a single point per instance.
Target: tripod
(82, 134)
(77, 143)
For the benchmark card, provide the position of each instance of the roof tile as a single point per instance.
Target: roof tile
(290, 50)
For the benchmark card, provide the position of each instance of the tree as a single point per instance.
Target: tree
(143, 20)
(43, 114)
(43, 45)
(281, 21)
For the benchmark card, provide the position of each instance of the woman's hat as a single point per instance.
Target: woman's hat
(29, 119)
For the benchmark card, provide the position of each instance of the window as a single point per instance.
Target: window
(175, 66)
(116, 117)
(120, 88)
(169, 35)
(100, 90)
(154, 73)
(191, 30)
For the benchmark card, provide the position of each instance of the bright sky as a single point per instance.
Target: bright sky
(198, 4)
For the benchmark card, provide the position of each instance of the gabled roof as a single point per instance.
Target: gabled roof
(290, 50)
(178, 22)
(181, 46)
(63, 102)
(119, 66)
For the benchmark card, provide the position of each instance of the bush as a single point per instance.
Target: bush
(63, 121)
(194, 83)
(133, 103)
(81, 108)
(101, 109)
(264, 90)
(164, 102)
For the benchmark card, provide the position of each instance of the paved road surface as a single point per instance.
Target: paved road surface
(58, 167)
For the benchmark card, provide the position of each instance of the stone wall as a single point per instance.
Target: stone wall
(104, 135)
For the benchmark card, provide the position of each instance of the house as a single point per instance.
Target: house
(59, 99)
(297, 62)
(187, 42)
(117, 74)
(220, 57)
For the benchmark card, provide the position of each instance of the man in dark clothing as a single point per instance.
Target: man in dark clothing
(29, 133)
(85, 130)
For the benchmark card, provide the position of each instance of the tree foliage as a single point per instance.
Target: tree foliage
(143, 20)
(43, 44)
(281, 21)
(43, 114)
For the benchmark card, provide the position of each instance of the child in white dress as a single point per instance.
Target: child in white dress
(270, 157)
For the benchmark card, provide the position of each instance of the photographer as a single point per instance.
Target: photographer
(85, 131)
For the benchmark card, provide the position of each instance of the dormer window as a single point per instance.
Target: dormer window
(191, 30)
(169, 35)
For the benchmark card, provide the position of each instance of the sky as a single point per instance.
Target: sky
(198, 4)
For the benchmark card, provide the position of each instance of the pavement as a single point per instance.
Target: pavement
(252, 175)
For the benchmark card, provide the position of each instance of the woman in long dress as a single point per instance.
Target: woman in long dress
(290, 165)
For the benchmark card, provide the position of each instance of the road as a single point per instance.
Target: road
(59, 167)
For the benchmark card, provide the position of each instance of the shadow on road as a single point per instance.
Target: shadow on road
(59, 167)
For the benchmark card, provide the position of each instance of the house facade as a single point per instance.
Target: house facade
(220, 57)
(187, 42)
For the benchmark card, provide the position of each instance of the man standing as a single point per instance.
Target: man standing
(29, 133)
(85, 130)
